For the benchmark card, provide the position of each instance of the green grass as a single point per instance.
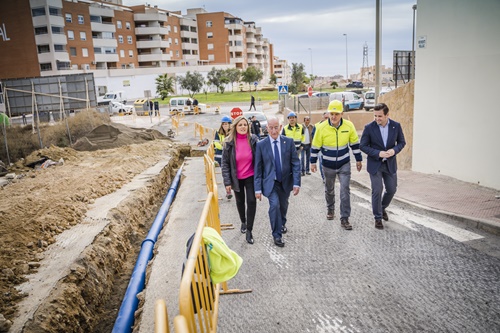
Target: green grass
(238, 96)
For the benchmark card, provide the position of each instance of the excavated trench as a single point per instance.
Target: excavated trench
(89, 297)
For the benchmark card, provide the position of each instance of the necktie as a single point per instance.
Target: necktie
(277, 162)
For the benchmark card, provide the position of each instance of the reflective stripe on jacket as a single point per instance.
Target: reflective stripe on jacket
(334, 144)
(296, 133)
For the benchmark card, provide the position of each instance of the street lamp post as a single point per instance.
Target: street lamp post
(312, 72)
(346, 61)
(413, 42)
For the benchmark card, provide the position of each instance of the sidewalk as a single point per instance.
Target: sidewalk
(472, 204)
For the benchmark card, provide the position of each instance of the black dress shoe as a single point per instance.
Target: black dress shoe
(284, 229)
(249, 237)
(385, 217)
(279, 242)
(243, 228)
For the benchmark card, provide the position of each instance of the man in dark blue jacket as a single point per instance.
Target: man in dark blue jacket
(382, 140)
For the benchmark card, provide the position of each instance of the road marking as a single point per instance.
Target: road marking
(394, 218)
(406, 218)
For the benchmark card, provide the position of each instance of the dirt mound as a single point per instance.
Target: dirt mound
(112, 136)
(44, 203)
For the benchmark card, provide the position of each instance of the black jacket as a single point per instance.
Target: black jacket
(229, 173)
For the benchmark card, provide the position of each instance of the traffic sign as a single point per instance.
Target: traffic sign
(283, 90)
(310, 91)
(255, 83)
(236, 112)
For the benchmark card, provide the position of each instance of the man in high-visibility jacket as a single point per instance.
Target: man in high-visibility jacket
(333, 138)
(294, 131)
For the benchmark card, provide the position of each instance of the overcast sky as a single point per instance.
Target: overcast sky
(294, 27)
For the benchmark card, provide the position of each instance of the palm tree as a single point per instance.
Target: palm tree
(164, 85)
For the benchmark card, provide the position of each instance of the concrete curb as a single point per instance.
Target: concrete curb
(478, 223)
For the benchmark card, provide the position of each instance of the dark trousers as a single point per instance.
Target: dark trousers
(305, 160)
(246, 188)
(382, 178)
(278, 207)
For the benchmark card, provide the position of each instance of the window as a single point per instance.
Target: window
(175, 29)
(83, 35)
(71, 35)
(127, 25)
(122, 53)
(55, 11)
(59, 48)
(176, 41)
(194, 40)
(119, 24)
(69, 18)
(211, 57)
(85, 52)
(63, 64)
(210, 46)
(97, 50)
(194, 52)
(57, 30)
(130, 53)
(177, 53)
(129, 39)
(184, 28)
(209, 24)
(41, 31)
(108, 35)
(184, 40)
(120, 39)
(72, 51)
(46, 67)
(38, 11)
(95, 18)
(193, 29)
(210, 34)
(186, 52)
(43, 48)
(80, 19)
(109, 50)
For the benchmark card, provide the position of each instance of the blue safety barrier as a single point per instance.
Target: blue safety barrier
(125, 320)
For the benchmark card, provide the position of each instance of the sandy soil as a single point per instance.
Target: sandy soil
(43, 203)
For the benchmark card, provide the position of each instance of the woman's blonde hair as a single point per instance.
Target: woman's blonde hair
(221, 129)
(232, 132)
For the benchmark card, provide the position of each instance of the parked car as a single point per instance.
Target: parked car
(261, 117)
(369, 100)
(384, 91)
(355, 84)
(120, 108)
(321, 94)
(351, 100)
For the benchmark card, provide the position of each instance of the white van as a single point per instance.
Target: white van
(180, 104)
(350, 99)
(112, 96)
(369, 100)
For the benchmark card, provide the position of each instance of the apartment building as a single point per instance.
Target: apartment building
(118, 43)
(281, 70)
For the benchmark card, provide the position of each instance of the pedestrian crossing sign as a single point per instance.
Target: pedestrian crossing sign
(283, 90)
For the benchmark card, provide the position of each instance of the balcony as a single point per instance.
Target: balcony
(153, 57)
(102, 27)
(251, 40)
(104, 42)
(251, 50)
(151, 31)
(152, 44)
(101, 11)
(150, 17)
(99, 57)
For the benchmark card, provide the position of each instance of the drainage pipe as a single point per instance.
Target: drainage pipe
(125, 320)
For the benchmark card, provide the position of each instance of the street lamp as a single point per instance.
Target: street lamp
(413, 42)
(312, 73)
(346, 62)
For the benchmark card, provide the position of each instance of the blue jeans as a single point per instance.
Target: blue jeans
(344, 174)
(305, 163)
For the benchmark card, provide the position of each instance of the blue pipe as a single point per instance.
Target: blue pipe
(125, 320)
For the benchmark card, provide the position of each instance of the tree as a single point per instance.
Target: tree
(298, 78)
(191, 82)
(273, 79)
(164, 85)
(334, 84)
(218, 77)
(234, 75)
(251, 74)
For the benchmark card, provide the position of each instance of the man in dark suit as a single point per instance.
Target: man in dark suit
(382, 140)
(277, 173)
